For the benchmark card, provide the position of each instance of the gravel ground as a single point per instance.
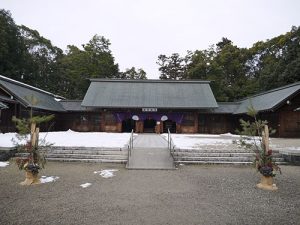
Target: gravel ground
(188, 195)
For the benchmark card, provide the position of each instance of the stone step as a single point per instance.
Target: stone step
(225, 159)
(216, 159)
(6, 153)
(213, 154)
(88, 160)
(212, 162)
(87, 152)
(70, 154)
(217, 149)
(85, 156)
(218, 154)
(213, 150)
(78, 148)
(220, 162)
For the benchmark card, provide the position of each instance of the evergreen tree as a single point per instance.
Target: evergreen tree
(132, 73)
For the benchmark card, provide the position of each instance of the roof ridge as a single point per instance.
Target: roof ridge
(27, 86)
(270, 91)
(147, 80)
(236, 103)
(70, 100)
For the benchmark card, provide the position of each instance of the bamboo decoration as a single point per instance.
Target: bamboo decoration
(32, 178)
(32, 134)
(266, 183)
(37, 132)
(266, 139)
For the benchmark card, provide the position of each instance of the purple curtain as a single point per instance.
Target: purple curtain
(177, 117)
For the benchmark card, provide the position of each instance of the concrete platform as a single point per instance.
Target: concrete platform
(150, 152)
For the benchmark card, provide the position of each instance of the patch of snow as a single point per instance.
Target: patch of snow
(57, 99)
(6, 139)
(229, 135)
(85, 185)
(75, 139)
(4, 164)
(106, 173)
(45, 179)
(195, 141)
(193, 135)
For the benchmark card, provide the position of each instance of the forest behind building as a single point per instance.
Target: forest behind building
(234, 72)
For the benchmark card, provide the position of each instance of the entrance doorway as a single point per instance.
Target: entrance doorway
(128, 125)
(171, 125)
(149, 125)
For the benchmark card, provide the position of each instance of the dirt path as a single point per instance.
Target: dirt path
(189, 195)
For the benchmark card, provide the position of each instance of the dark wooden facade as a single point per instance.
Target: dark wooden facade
(215, 123)
(79, 121)
(6, 123)
(285, 119)
(17, 110)
(193, 121)
(289, 118)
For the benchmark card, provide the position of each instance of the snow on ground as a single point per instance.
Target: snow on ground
(4, 164)
(189, 141)
(45, 179)
(118, 140)
(194, 141)
(72, 138)
(106, 173)
(85, 185)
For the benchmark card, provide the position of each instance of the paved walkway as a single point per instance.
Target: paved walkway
(150, 151)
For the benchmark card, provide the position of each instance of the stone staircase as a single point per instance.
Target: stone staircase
(6, 153)
(84, 154)
(218, 156)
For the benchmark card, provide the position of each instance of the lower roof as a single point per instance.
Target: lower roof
(30, 96)
(72, 105)
(269, 100)
(3, 106)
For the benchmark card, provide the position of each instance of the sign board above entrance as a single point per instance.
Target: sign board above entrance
(149, 109)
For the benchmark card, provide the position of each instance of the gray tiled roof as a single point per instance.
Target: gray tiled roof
(72, 105)
(149, 93)
(22, 92)
(226, 107)
(269, 100)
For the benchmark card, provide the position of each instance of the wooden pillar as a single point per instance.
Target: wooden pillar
(139, 126)
(136, 126)
(102, 122)
(178, 128)
(157, 128)
(196, 123)
(119, 127)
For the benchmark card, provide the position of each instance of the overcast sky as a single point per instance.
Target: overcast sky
(140, 30)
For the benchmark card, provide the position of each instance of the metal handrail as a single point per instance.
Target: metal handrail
(130, 146)
(171, 145)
